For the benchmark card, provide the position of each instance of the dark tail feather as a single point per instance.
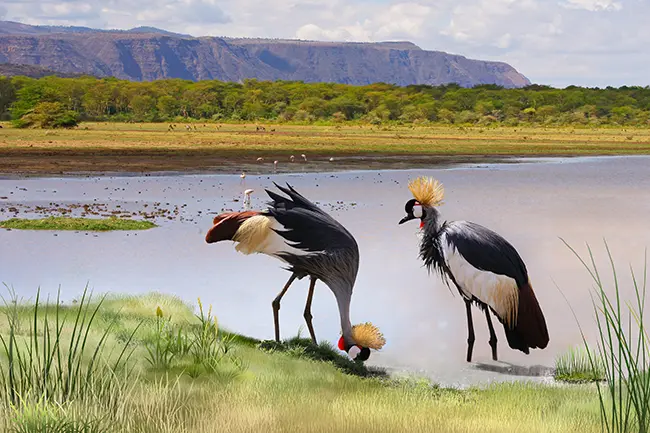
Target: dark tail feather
(530, 331)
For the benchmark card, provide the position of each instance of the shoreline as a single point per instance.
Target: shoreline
(121, 149)
(341, 163)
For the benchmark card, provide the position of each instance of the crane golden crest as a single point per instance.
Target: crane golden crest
(368, 335)
(427, 191)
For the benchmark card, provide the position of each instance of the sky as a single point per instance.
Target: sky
(554, 42)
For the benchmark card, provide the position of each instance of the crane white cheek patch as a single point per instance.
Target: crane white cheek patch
(353, 352)
(417, 211)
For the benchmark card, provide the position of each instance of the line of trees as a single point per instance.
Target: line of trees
(22, 100)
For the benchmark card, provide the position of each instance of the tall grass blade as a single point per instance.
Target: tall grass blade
(623, 347)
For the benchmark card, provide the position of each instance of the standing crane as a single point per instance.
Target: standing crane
(484, 267)
(297, 232)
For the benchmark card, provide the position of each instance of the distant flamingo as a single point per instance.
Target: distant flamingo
(247, 199)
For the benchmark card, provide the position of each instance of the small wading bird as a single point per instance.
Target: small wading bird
(483, 266)
(247, 199)
(313, 244)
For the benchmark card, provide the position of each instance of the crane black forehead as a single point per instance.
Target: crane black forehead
(409, 205)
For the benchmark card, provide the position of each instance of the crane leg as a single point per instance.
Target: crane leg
(276, 306)
(470, 331)
(308, 315)
(493, 336)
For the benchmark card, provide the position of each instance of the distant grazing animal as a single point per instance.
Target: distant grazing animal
(484, 267)
(312, 243)
(275, 165)
(260, 159)
(292, 158)
(304, 157)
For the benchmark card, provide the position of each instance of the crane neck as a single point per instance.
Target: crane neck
(343, 297)
(430, 222)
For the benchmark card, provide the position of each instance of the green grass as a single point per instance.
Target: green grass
(223, 382)
(623, 347)
(575, 366)
(78, 224)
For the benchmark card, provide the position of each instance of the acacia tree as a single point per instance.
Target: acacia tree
(48, 115)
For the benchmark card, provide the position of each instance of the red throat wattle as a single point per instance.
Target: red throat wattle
(421, 223)
(342, 344)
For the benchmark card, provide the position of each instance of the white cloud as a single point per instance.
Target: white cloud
(69, 10)
(558, 42)
(182, 12)
(312, 32)
(594, 5)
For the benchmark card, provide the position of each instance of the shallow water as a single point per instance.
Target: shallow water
(532, 205)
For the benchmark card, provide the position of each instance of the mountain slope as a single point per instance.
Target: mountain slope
(15, 28)
(146, 54)
(12, 70)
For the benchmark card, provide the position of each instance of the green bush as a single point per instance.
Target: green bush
(48, 115)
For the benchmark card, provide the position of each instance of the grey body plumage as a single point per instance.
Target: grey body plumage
(333, 253)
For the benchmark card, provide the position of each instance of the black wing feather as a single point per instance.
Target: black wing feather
(306, 226)
(487, 250)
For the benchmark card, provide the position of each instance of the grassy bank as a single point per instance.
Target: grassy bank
(171, 369)
(80, 224)
(153, 147)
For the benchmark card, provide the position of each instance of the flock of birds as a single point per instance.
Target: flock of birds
(485, 268)
(292, 158)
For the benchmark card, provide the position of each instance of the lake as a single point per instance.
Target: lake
(532, 204)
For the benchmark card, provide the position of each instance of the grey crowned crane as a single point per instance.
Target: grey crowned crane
(484, 267)
(312, 243)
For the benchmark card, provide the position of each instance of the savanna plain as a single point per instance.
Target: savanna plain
(227, 147)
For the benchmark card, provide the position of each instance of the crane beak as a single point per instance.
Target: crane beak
(406, 218)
